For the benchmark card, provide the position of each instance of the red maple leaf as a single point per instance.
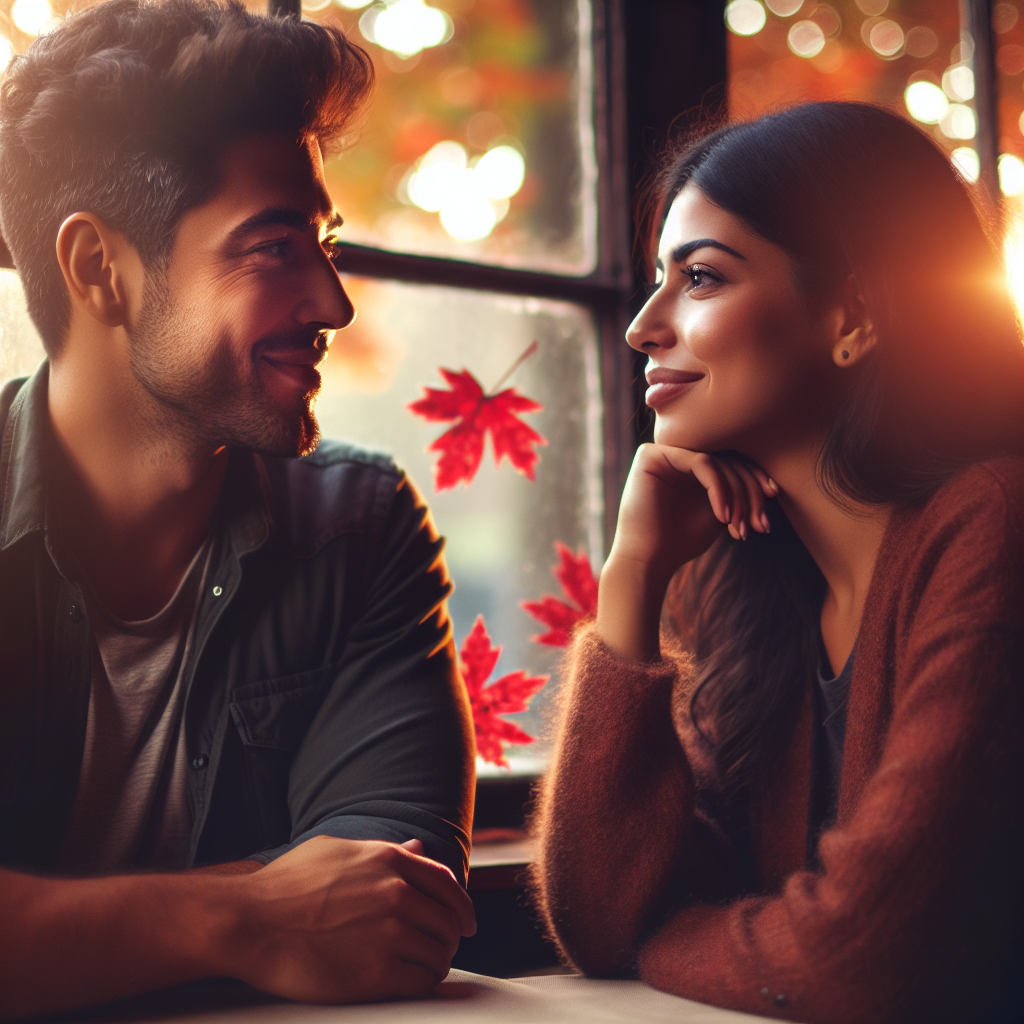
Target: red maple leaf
(476, 414)
(580, 586)
(505, 696)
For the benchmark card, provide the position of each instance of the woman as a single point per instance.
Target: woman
(808, 804)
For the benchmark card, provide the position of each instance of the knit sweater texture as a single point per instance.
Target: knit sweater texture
(919, 898)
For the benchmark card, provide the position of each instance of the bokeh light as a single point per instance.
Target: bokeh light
(406, 27)
(784, 8)
(6, 52)
(966, 161)
(806, 39)
(886, 38)
(745, 17)
(959, 122)
(500, 172)
(926, 102)
(872, 8)
(921, 41)
(1011, 174)
(470, 197)
(958, 82)
(31, 15)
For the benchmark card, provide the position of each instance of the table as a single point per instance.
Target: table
(463, 998)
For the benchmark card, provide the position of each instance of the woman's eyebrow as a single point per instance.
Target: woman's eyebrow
(680, 252)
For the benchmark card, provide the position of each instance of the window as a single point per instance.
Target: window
(479, 220)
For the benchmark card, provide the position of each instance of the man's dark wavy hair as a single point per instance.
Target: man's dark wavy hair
(844, 189)
(122, 112)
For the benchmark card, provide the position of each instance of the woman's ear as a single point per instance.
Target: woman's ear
(101, 269)
(855, 334)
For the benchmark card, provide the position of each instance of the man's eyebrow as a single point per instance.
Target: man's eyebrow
(282, 217)
(680, 252)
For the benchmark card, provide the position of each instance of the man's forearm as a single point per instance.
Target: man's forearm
(67, 943)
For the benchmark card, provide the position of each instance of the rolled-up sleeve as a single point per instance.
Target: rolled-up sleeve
(389, 754)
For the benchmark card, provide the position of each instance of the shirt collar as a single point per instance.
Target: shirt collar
(244, 509)
(22, 459)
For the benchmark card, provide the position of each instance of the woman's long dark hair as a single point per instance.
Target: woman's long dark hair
(844, 189)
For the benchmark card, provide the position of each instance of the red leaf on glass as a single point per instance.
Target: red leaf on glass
(580, 586)
(505, 696)
(477, 414)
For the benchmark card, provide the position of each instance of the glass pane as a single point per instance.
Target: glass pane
(908, 55)
(502, 528)
(1008, 37)
(21, 351)
(479, 142)
(480, 147)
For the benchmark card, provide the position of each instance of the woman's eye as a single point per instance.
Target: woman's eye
(700, 277)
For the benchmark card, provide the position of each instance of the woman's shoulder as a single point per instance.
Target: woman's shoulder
(991, 491)
(968, 534)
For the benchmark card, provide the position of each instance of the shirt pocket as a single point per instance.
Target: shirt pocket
(272, 718)
(275, 714)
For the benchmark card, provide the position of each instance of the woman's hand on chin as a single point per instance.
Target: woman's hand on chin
(675, 504)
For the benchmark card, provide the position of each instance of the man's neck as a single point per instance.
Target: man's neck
(134, 493)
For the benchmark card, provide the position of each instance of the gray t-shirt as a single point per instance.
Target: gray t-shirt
(130, 810)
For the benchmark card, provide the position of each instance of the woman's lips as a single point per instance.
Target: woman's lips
(666, 385)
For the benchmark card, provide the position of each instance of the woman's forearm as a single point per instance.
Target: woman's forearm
(629, 601)
(616, 807)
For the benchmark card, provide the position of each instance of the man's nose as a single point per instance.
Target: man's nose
(326, 301)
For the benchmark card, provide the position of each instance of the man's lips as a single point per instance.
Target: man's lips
(299, 365)
(665, 384)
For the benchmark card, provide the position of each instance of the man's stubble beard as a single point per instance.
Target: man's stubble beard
(208, 393)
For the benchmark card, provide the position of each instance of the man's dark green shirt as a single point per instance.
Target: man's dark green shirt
(322, 689)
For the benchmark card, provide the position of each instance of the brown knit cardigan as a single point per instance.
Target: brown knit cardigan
(918, 901)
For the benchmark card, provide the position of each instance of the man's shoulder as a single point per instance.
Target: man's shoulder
(339, 489)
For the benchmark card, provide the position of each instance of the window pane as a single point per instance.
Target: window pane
(480, 147)
(21, 351)
(1008, 37)
(907, 55)
(502, 528)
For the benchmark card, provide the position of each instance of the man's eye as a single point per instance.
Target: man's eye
(279, 248)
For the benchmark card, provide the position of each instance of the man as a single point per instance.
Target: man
(212, 652)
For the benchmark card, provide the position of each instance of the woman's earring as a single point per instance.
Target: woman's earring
(846, 355)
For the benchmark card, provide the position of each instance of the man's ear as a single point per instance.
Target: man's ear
(855, 334)
(101, 268)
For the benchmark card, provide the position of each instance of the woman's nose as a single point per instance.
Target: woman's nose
(649, 330)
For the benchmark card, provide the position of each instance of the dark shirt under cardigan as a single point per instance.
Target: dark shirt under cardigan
(323, 696)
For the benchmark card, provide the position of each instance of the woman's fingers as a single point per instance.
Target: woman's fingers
(755, 496)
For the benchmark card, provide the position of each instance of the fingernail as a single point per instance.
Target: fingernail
(772, 484)
(728, 513)
(765, 523)
(743, 529)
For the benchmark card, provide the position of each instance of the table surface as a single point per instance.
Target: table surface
(463, 999)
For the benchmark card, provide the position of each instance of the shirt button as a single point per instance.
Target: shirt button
(75, 612)
(780, 999)
(764, 992)
(218, 590)
(199, 761)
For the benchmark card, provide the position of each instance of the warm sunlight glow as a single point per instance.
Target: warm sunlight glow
(31, 15)
(1014, 253)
